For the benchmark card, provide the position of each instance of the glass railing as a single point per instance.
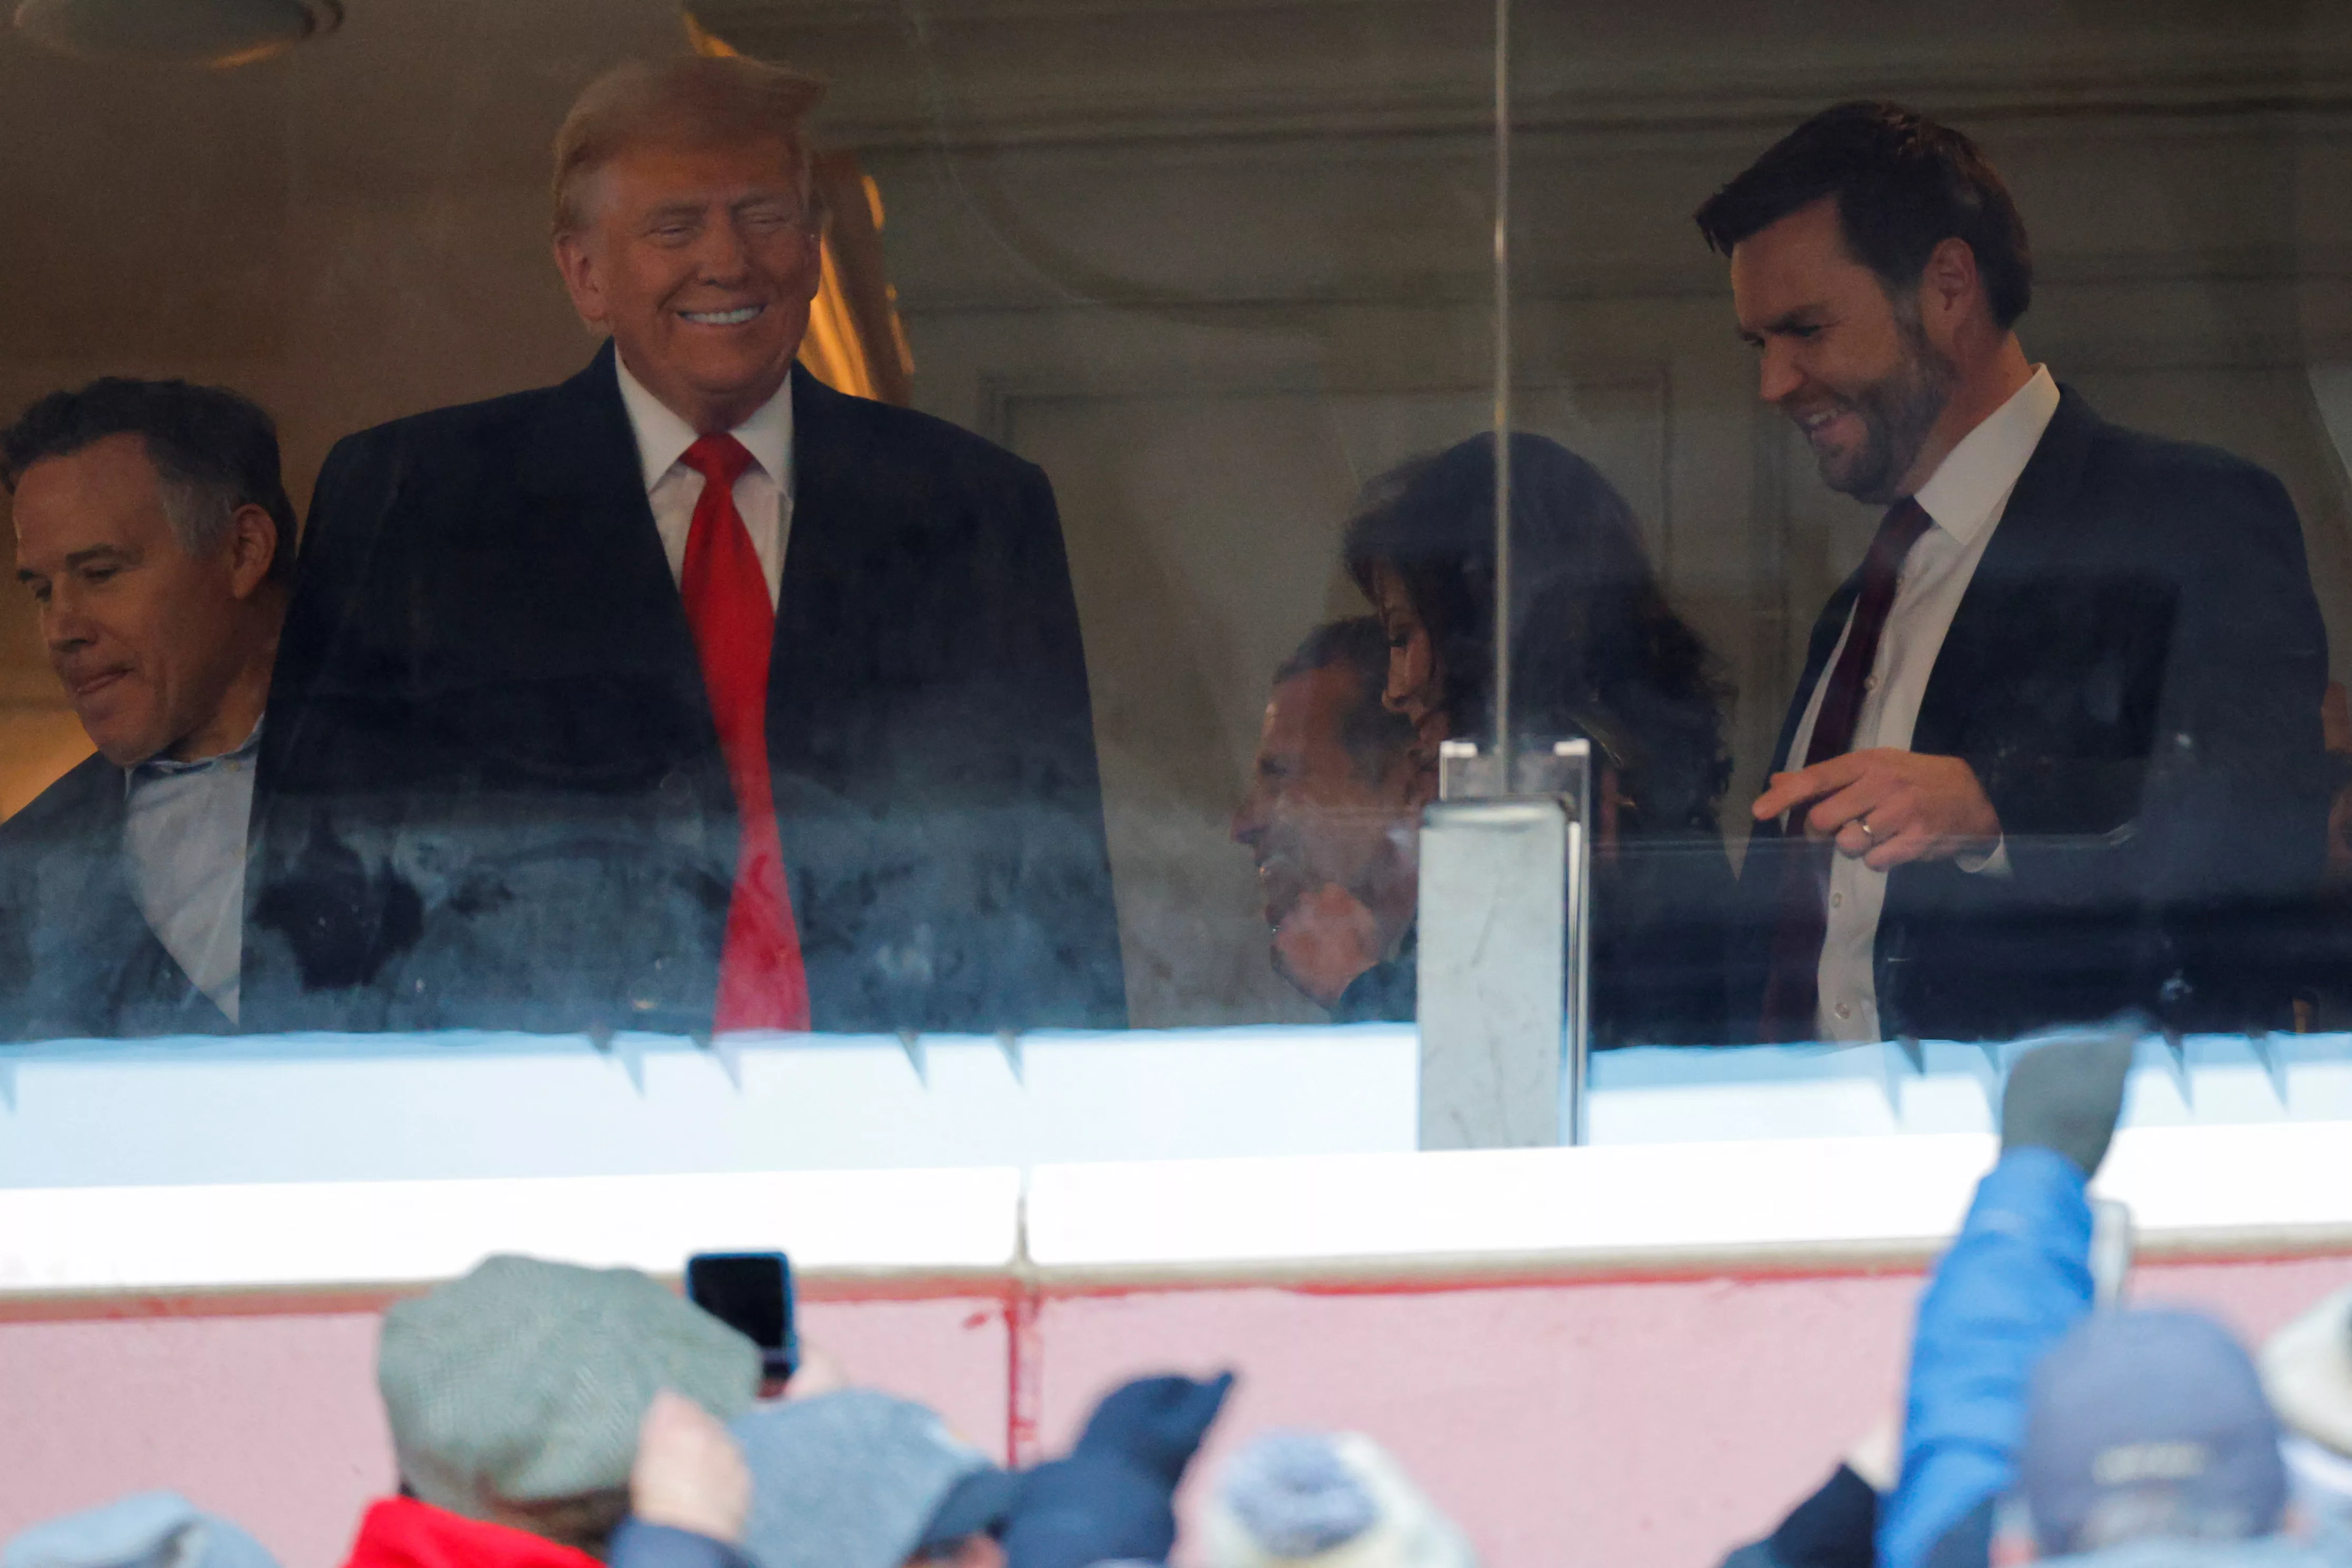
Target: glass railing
(955, 666)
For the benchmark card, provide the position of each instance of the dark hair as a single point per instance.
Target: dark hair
(1374, 736)
(215, 451)
(1595, 651)
(1903, 185)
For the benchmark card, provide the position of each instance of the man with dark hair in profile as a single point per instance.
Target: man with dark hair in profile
(153, 532)
(2057, 749)
(689, 695)
(1332, 818)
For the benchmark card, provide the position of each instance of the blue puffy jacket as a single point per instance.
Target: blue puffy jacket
(2014, 1282)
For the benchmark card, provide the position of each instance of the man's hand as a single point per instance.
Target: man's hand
(1328, 939)
(1915, 808)
(690, 1475)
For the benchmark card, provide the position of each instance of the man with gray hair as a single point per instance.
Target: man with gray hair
(154, 535)
(573, 740)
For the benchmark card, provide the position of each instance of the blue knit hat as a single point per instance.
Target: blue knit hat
(2150, 1424)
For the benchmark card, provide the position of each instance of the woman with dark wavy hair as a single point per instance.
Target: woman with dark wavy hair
(1595, 651)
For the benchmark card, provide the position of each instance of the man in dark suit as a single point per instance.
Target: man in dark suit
(2056, 750)
(563, 735)
(155, 535)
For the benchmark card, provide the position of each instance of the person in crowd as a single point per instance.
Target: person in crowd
(155, 535)
(148, 1530)
(1835, 1525)
(1308, 1500)
(2012, 1283)
(1596, 651)
(515, 1395)
(564, 735)
(690, 1492)
(1112, 1496)
(2011, 1286)
(2147, 1436)
(2307, 1372)
(848, 1479)
(2139, 1424)
(1332, 818)
(2134, 1437)
(860, 1479)
(2057, 749)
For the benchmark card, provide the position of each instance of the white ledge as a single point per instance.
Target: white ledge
(281, 1236)
(401, 1108)
(1782, 1203)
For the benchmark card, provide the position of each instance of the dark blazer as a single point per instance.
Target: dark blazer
(2135, 674)
(491, 792)
(1662, 901)
(77, 960)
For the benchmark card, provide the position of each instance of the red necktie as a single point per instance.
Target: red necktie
(1792, 990)
(761, 983)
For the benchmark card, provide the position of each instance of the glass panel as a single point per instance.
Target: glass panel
(1212, 271)
(2095, 741)
(1224, 279)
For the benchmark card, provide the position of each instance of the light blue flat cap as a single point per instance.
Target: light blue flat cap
(858, 1478)
(150, 1529)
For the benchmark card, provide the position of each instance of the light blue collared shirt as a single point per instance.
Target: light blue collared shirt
(184, 841)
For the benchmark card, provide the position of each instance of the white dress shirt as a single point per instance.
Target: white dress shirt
(1964, 499)
(184, 839)
(763, 491)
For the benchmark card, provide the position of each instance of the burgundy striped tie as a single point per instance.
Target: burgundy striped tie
(1792, 987)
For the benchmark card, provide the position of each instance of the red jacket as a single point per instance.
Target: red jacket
(402, 1533)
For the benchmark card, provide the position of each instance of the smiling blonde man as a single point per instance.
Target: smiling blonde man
(688, 694)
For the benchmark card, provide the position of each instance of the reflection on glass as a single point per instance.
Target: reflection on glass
(1066, 642)
(1331, 820)
(1596, 651)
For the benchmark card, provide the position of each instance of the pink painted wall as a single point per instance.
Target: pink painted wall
(1562, 1422)
(269, 1420)
(1608, 1423)
(1657, 1422)
(952, 1354)
(273, 1420)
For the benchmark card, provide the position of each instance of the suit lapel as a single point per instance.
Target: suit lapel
(814, 629)
(586, 493)
(589, 516)
(2033, 518)
(142, 984)
(1983, 636)
(101, 812)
